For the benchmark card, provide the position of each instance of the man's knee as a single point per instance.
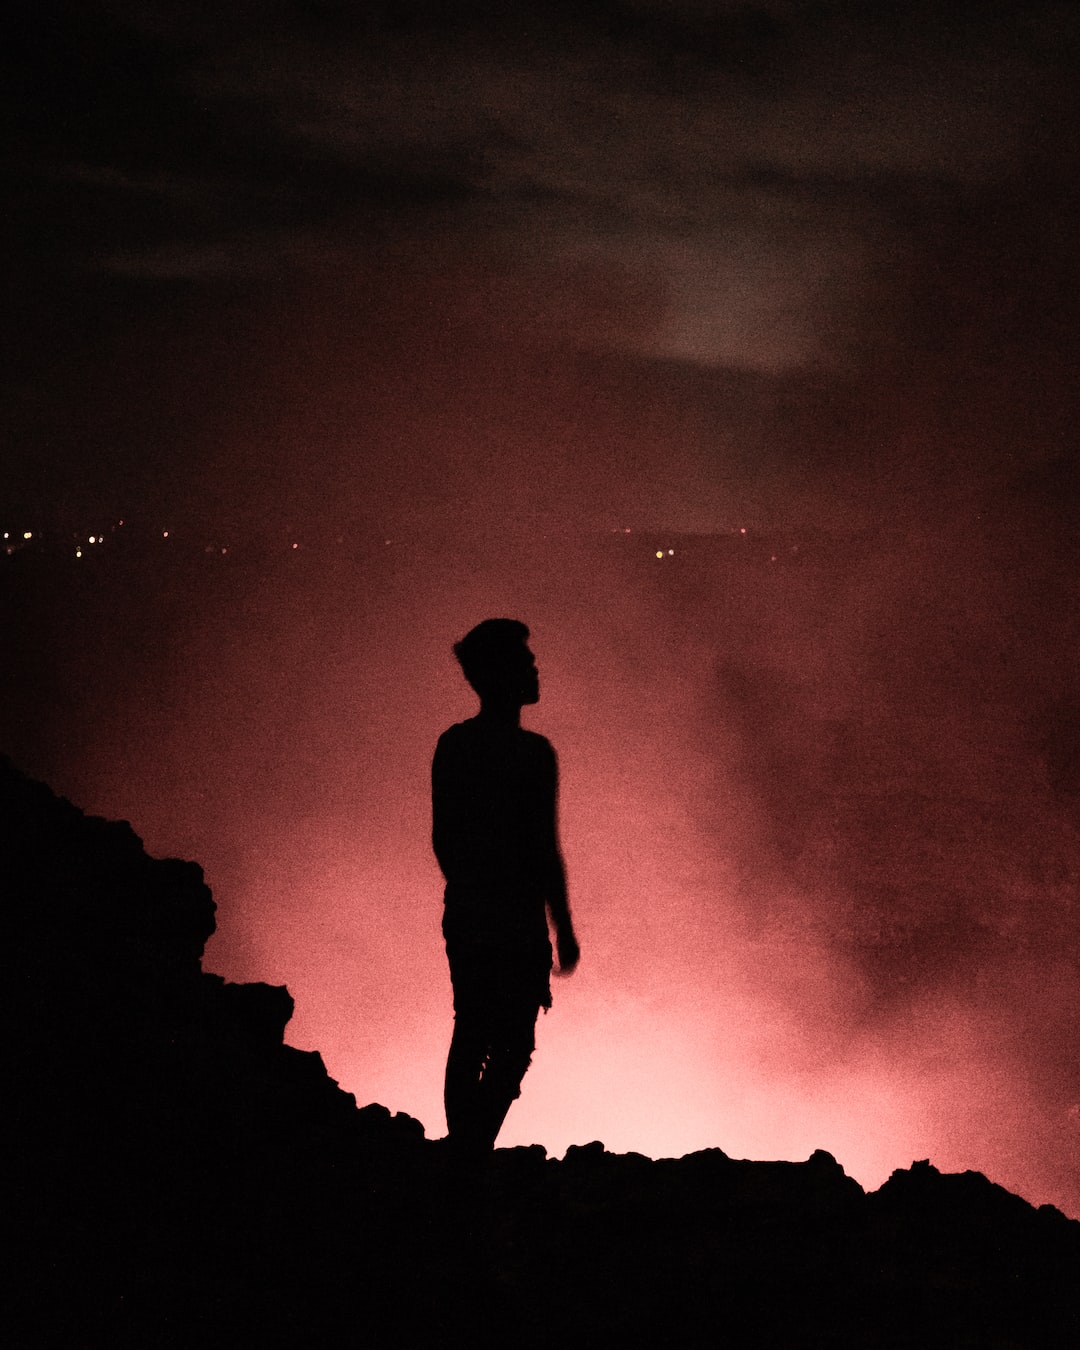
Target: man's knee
(512, 1052)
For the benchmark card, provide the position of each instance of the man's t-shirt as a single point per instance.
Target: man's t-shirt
(493, 800)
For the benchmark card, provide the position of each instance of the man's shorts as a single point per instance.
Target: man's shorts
(499, 986)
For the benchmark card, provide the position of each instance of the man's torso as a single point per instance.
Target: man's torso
(493, 802)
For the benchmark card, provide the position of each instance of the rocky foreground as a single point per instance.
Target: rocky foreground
(179, 1177)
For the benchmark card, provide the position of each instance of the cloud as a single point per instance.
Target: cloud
(753, 161)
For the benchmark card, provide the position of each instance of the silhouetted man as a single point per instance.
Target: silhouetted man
(494, 791)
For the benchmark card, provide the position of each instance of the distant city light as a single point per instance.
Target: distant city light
(15, 541)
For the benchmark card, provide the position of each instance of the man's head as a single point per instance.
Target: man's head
(496, 661)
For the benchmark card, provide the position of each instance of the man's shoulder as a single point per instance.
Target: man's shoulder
(463, 733)
(540, 753)
(454, 738)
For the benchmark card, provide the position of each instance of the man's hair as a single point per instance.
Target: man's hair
(483, 651)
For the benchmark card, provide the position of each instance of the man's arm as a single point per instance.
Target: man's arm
(566, 943)
(445, 799)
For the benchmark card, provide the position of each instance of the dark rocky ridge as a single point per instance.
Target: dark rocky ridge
(180, 1177)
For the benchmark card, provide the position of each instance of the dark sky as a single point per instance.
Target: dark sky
(495, 280)
(735, 246)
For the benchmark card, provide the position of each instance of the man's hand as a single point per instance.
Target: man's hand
(569, 952)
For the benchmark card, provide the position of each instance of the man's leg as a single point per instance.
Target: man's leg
(496, 1002)
(462, 1097)
(511, 1049)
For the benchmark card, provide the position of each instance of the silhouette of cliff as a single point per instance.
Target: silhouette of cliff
(179, 1177)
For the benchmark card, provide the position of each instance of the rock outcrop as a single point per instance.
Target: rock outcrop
(180, 1177)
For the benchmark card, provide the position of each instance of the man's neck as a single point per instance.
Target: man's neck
(505, 716)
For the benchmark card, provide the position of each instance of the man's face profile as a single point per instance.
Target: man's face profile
(521, 675)
(531, 685)
(511, 676)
